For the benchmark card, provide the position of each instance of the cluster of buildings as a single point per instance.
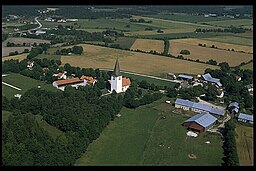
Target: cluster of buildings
(59, 20)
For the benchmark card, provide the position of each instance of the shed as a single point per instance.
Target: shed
(186, 77)
(245, 118)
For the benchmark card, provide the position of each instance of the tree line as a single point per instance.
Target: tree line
(230, 30)
(78, 50)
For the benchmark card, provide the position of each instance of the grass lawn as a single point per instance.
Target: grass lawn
(22, 82)
(5, 115)
(244, 144)
(247, 66)
(53, 131)
(134, 139)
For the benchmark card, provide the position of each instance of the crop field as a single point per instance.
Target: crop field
(149, 64)
(193, 41)
(247, 66)
(147, 45)
(125, 42)
(22, 82)
(205, 53)
(7, 50)
(245, 40)
(189, 18)
(141, 137)
(15, 57)
(237, 22)
(244, 144)
(21, 40)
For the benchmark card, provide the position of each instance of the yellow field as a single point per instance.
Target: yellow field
(244, 144)
(19, 57)
(148, 45)
(192, 41)
(103, 57)
(205, 54)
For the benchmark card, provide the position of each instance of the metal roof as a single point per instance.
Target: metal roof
(235, 109)
(246, 117)
(185, 76)
(200, 106)
(203, 119)
(209, 78)
(235, 104)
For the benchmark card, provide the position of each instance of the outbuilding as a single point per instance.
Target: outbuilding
(245, 118)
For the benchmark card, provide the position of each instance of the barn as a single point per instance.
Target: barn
(200, 122)
(245, 118)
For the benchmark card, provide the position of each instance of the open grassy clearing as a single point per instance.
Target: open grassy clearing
(247, 66)
(244, 144)
(53, 131)
(193, 41)
(148, 45)
(188, 18)
(7, 50)
(149, 64)
(237, 23)
(5, 115)
(205, 54)
(246, 41)
(15, 57)
(134, 139)
(22, 82)
(12, 24)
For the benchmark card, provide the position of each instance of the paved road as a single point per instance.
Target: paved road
(149, 76)
(11, 86)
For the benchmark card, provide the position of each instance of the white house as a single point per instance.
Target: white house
(119, 83)
(30, 64)
(74, 82)
(61, 75)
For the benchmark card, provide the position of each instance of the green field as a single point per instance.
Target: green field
(134, 139)
(125, 42)
(22, 82)
(247, 66)
(5, 115)
(178, 35)
(239, 40)
(237, 23)
(188, 18)
(150, 80)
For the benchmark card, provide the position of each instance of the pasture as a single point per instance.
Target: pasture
(238, 40)
(148, 45)
(125, 42)
(149, 64)
(15, 57)
(236, 23)
(205, 53)
(22, 82)
(244, 144)
(7, 50)
(247, 66)
(141, 137)
(226, 46)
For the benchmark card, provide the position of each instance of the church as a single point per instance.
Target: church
(119, 83)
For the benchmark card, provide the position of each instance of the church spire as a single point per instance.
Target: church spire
(116, 72)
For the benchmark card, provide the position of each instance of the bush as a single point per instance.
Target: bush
(185, 52)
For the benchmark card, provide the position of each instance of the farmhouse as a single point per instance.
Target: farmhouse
(38, 32)
(197, 107)
(118, 83)
(171, 75)
(200, 122)
(245, 118)
(207, 77)
(61, 75)
(30, 64)
(74, 82)
(250, 88)
(185, 77)
(233, 107)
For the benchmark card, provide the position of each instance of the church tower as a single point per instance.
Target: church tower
(116, 79)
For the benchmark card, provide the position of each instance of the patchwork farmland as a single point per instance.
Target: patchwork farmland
(149, 64)
(15, 57)
(148, 45)
(205, 53)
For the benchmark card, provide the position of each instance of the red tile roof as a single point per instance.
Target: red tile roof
(126, 81)
(90, 79)
(68, 81)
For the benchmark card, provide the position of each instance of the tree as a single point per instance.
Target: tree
(77, 50)
(171, 92)
(224, 66)
(248, 101)
(185, 52)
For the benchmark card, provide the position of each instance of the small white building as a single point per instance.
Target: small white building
(38, 32)
(61, 75)
(30, 65)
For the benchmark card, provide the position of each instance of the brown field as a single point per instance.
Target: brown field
(244, 144)
(20, 40)
(192, 41)
(19, 57)
(103, 57)
(7, 50)
(205, 53)
(148, 45)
